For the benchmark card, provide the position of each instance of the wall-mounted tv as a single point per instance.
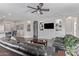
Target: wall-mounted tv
(49, 26)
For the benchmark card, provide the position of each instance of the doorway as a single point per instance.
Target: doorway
(71, 26)
(35, 30)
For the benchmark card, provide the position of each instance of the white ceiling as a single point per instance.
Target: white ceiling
(19, 11)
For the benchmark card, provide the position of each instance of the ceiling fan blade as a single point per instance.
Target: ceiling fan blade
(31, 7)
(44, 9)
(34, 11)
(40, 12)
(40, 5)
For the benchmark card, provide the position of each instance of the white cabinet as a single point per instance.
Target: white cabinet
(2, 34)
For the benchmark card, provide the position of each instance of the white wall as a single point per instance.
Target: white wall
(28, 34)
(77, 27)
(2, 34)
(61, 33)
(70, 26)
(50, 33)
(46, 33)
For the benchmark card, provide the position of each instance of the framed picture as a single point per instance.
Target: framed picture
(59, 26)
(41, 26)
(20, 27)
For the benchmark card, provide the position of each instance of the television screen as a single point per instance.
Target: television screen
(49, 26)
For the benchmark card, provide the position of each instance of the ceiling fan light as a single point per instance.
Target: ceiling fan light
(3, 16)
(38, 12)
(9, 14)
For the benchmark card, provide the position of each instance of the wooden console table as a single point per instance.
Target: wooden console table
(44, 42)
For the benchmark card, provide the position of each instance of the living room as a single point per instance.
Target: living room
(24, 25)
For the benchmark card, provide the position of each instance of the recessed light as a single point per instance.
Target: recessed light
(3, 16)
(28, 22)
(0, 17)
(9, 14)
(69, 17)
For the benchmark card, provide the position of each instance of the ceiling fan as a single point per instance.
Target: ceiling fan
(39, 8)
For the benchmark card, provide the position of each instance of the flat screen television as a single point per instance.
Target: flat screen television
(49, 26)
